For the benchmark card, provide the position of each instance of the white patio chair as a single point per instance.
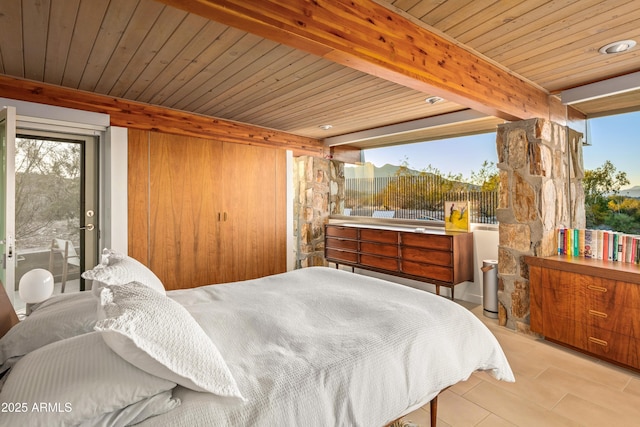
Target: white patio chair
(69, 258)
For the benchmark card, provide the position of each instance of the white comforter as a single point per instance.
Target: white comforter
(324, 347)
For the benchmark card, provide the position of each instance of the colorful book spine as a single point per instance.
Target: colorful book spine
(588, 247)
(560, 235)
(594, 247)
(626, 248)
(620, 257)
(599, 244)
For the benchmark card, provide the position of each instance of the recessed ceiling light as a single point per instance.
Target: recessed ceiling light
(617, 47)
(433, 100)
(325, 127)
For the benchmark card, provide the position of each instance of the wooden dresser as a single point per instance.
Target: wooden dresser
(590, 305)
(433, 256)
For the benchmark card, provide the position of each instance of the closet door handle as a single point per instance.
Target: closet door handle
(225, 216)
(597, 288)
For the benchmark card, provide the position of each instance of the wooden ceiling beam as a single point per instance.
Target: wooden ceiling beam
(137, 115)
(366, 36)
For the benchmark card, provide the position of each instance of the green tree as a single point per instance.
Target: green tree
(488, 177)
(420, 190)
(47, 185)
(601, 186)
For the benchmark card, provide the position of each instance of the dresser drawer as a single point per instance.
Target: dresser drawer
(624, 321)
(342, 244)
(609, 293)
(379, 249)
(598, 341)
(429, 241)
(334, 254)
(379, 262)
(427, 256)
(345, 232)
(617, 347)
(382, 236)
(428, 271)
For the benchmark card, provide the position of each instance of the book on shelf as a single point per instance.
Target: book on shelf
(598, 244)
(580, 245)
(560, 235)
(628, 244)
(590, 237)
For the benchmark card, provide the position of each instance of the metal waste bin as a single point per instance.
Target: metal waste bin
(490, 288)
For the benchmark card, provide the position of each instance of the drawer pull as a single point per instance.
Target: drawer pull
(598, 341)
(598, 314)
(597, 288)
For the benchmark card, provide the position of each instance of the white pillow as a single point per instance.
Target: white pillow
(80, 380)
(59, 317)
(158, 335)
(118, 269)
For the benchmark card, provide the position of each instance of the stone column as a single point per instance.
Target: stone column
(319, 192)
(541, 171)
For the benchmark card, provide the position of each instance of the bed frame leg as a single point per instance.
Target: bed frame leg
(433, 407)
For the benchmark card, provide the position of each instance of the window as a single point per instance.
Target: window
(612, 173)
(413, 181)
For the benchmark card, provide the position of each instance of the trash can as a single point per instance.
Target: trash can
(490, 288)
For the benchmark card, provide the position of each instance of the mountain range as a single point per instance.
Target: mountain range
(631, 192)
(369, 170)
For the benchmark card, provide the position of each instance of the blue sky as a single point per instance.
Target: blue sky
(614, 138)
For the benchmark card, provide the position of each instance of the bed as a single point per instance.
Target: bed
(315, 347)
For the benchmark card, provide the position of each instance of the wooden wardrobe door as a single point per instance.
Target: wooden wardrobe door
(253, 225)
(138, 195)
(184, 201)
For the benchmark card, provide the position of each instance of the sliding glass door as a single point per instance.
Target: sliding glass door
(7, 200)
(50, 187)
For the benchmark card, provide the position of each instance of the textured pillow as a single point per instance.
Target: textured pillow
(59, 317)
(158, 335)
(80, 380)
(117, 269)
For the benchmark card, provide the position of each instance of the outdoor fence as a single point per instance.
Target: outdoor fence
(416, 197)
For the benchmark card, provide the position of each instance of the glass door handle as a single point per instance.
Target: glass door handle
(9, 242)
(88, 227)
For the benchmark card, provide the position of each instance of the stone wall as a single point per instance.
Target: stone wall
(541, 172)
(318, 193)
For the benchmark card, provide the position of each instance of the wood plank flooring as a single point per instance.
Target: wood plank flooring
(554, 387)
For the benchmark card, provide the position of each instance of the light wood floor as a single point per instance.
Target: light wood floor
(554, 387)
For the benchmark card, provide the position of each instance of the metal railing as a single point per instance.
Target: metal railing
(416, 197)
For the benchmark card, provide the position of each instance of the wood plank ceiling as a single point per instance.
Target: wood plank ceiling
(146, 51)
